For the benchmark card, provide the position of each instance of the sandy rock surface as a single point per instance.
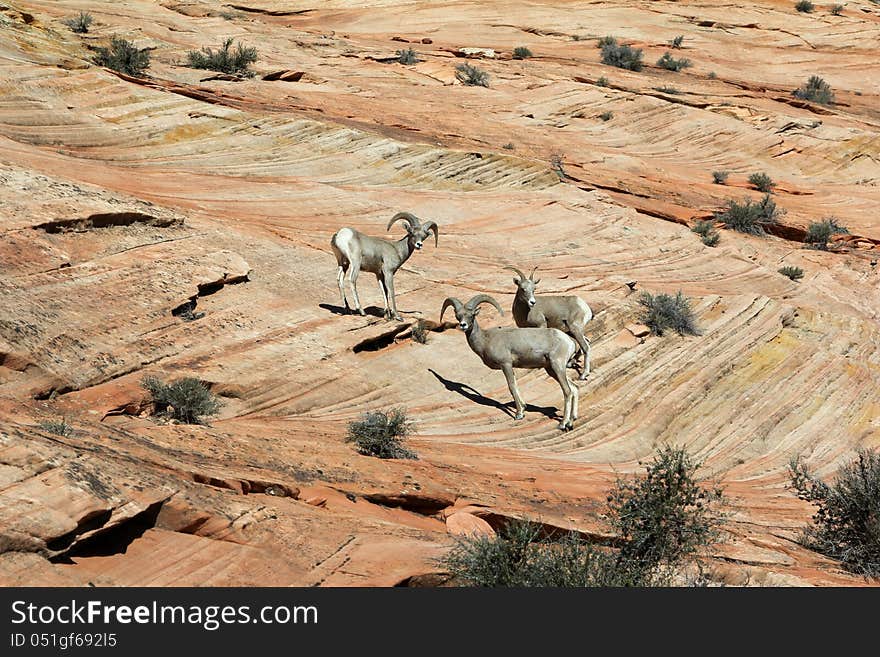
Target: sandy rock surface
(125, 201)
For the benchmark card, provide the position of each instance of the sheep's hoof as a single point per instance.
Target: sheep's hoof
(566, 426)
(519, 416)
(361, 312)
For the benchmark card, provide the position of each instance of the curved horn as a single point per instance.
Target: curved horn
(532, 275)
(431, 226)
(409, 218)
(521, 275)
(483, 298)
(450, 301)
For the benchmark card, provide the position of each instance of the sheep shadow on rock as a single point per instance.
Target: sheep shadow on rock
(475, 396)
(373, 311)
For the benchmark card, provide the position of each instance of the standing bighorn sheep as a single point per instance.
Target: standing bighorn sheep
(568, 314)
(356, 252)
(528, 348)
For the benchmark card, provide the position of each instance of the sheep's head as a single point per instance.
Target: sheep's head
(466, 313)
(417, 232)
(525, 286)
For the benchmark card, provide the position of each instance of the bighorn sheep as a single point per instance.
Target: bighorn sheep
(356, 252)
(568, 314)
(528, 348)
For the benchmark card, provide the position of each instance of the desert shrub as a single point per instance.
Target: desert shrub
(557, 166)
(624, 57)
(706, 230)
(187, 400)
(720, 177)
(794, 273)
(819, 232)
(471, 75)
(670, 63)
(837, 10)
(408, 56)
(816, 90)
(381, 434)
(606, 41)
(521, 556)
(419, 332)
(664, 312)
(229, 60)
(762, 182)
(663, 519)
(508, 146)
(749, 216)
(712, 75)
(521, 52)
(805, 6)
(81, 23)
(606, 116)
(677, 41)
(665, 516)
(602, 81)
(668, 90)
(122, 56)
(58, 427)
(846, 525)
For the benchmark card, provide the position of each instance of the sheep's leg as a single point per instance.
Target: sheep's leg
(340, 280)
(584, 344)
(514, 390)
(352, 279)
(384, 294)
(569, 393)
(389, 285)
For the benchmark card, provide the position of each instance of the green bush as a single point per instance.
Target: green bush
(706, 230)
(227, 60)
(805, 6)
(380, 434)
(816, 90)
(794, 273)
(819, 232)
(664, 312)
(81, 23)
(186, 400)
(664, 520)
(677, 41)
(521, 52)
(749, 217)
(668, 90)
(720, 177)
(123, 57)
(606, 41)
(762, 182)
(58, 427)
(408, 56)
(846, 525)
(624, 57)
(665, 516)
(602, 81)
(670, 63)
(606, 116)
(712, 75)
(837, 10)
(471, 75)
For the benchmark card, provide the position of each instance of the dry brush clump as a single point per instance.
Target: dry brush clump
(521, 52)
(762, 182)
(820, 232)
(816, 90)
(187, 399)
(57, 427)
(408, 56)
(226, 59)
(846, 525)
(471, 76)
(124, 57)
(792, 272)
(381, 434)
(621, 56)
(666, 312)
(80, 24)
(707, 232)
(670, 63)
(665, 520)
(749, 216)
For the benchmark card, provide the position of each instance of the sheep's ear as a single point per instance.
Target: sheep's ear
(476, 312)
(516, 281)
(537, 281)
